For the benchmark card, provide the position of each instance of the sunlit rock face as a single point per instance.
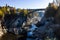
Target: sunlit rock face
(8, 36)
(1, 33)
(34, 18)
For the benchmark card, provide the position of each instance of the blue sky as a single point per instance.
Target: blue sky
(33, 4)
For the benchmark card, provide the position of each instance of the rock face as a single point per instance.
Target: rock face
(1, 32)
(8, 36)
